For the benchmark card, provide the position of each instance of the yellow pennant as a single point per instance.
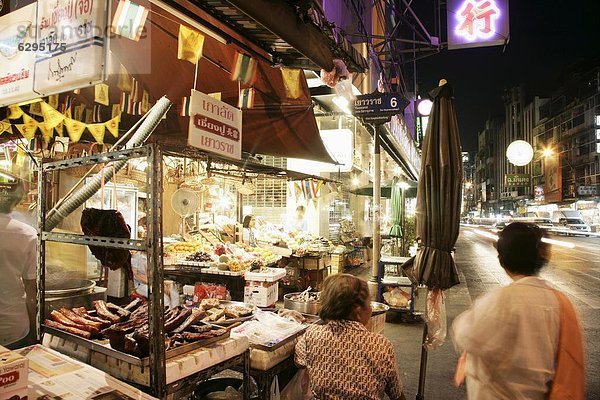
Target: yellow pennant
(291, 82)
(53, 101)
(190, 44)
(59, 129)
(47, 131)
(101, 94)
(97, 131)
(15, 112)
(124, 79)
(35, 108)
(4, 126)
(74, 129)
(113, 126)
(115, 111)
(51, 116)
(215, 95)
(30, 122)
(27, 132)
(145, 102)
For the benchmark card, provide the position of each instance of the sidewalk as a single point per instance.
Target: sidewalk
(407, 337)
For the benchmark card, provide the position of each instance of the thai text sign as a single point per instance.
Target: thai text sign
(71, 44)
(477, 23)
(215, 126)
(17, 29)
(378, 107)
(517, 180)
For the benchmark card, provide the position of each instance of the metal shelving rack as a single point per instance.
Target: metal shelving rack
(152, 245)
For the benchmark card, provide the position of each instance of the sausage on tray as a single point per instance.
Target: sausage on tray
(131, 307)
(63, 320)
(199, 328)
(195, 316)
(102, 310)
(79, 319)
(192, 337)
(82, 312)
(68, 329)
(120, 311)
(177, 321)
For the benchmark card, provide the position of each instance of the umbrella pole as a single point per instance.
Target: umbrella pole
(376, 206)
(402, 213)
(423, 367)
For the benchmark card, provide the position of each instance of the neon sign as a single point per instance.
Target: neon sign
(475, 23)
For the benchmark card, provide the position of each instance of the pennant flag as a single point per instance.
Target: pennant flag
(116, 110)
(30, 122)
(145, 102)
(15, 112)
(68, 113)
(97, 131)
(36, 108)
(189, 45)
(291, 82)
(244, 69)
(124, 82)
(59, 129)
(129, 20)
(135, 92)
(47, 131)
(51, 117)
(78, 113)
(113, 126)
(4, 127)
(185, 107)
(246, 99)
(74, 129)
(27, 132)
(215, 95)
(333, 188)
(53, 101)
(67, 103)
(89, 115)
(124, 101)
(97, 114)
(101, 94)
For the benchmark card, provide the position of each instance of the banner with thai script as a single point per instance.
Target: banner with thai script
(71, 50)
(215, 126)
(517, 180)
(553, 178)
(17, 30)
(477, 23)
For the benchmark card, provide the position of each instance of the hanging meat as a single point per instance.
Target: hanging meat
(109, 223)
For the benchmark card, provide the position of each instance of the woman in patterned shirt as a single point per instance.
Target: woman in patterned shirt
(345, 360)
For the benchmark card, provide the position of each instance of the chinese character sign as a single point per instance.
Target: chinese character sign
(477, 23)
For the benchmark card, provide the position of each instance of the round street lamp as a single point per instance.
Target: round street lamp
(519, 153)
(424, 107)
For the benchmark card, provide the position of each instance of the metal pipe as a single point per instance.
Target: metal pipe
(79, 197)
(376, 206)
(423, 366)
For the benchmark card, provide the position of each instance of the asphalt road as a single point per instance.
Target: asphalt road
(575, 271)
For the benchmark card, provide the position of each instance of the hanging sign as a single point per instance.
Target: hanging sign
(477, 23)
(517, 180)
(378, 108)
(215, 126)
(17, 34)
(71, 48)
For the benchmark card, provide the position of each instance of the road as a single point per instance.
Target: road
(575, 271)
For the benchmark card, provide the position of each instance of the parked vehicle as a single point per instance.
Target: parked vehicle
(570, 220)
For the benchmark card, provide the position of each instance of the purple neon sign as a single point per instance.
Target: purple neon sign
(475, 23)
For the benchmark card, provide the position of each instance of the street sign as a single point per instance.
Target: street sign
(378, 108)
(517, 180)
(587, 191)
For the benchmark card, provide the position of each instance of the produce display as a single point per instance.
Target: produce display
(127, 328)
(200, 256)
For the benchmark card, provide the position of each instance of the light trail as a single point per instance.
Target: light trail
(545, 240)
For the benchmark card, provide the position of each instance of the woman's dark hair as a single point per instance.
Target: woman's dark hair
(340, 295)
(521, 250)
(247, 219)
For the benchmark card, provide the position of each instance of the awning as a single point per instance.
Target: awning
(276, 125)
(296, 35)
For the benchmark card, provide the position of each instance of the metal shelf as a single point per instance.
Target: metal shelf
(100, 241)
(95, 159)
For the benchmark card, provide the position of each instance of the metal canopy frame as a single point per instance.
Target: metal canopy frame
(152, 246)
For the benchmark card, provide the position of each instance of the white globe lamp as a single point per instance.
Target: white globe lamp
(519, 153)
(424, 107)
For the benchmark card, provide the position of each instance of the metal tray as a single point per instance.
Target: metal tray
(102, 346)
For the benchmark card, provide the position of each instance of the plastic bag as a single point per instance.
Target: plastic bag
(436, 319)
(298, 388)
(397, 297)
(268, 329)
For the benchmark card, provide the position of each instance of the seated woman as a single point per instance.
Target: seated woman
(345, 360)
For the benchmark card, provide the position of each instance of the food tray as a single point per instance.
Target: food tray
(227, 323)
(102, 346)
(281, 343)
(198, 264)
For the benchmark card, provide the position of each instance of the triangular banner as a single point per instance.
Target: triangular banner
(190, 44)
(47, 131)
(26, 131)
(97, 131)
(30, 122)
(4, 127)
(74, 129)
(113, 126)
(124, 79)
(15, 112)
(291, 82)
(51, 117)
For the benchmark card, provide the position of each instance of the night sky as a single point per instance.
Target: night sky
(546, 35)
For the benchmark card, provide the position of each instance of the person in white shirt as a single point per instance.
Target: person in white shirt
(18, 245)
(510, 335)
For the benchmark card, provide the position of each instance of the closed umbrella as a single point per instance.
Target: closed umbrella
(437, 216)
(396, 206)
